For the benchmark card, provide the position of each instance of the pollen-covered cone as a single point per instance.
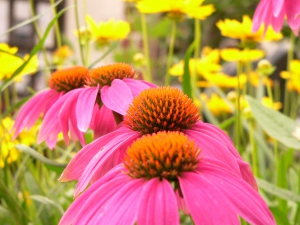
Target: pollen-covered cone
(162, 173)
(243, 31)
(153, 110)
(177, 9)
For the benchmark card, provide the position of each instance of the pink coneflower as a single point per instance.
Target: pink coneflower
(117, 87)
(61, 83)
(154, 110)
(273, 12)
(162, 173)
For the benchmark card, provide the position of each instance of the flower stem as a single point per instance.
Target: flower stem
(147, 75)
(290, 57)
(253, 148)
(237, 134)
(171, 51)
(197, 39)
(79, 36)
(56, 26)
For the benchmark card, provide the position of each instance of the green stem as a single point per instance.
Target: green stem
(147, 75)
(87, 44)
(290, 57)
(269, 90)
(6, 98)
(237, 134)
(197, 39)
(79, 36)
(171, 51)
(253, 148)
(56, 26)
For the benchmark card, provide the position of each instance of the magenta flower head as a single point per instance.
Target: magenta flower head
(162, 173)
(61, 83)
(108, 89)
(273, 12)
(154, 110)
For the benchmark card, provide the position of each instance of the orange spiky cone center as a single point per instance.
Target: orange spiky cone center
(68, 79)
(105, 75)
(164, 155)
(161, 109)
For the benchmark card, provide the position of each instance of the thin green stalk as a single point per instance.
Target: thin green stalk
(79, 36)
(148, 75)
(6, 98)
(197, 39)
(290, 57)
(253, 148)
(171, 51)
(56, 26)
(39, 36)
(86, 41)
(237, 135)
(276, 153)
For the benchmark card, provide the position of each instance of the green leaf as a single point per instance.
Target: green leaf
(186, 78)
(47, 201)
(50, 164)
(275, 124)
(279, 192)
(34, 51)
(280, 217)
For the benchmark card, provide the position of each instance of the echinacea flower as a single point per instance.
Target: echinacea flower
(177, 9)
(105, 32)
(273, 12)
(10, 61)
(243, 31)
(108, 89)
(162, 173)
(154, 110)
(61, 83)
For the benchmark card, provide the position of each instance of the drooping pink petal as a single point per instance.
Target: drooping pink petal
(235, 193)
(293, 11)
(91, 200)
(158, 204)
(84, 107)
(213, 148)
(136, 86)
(75, 168)
(104, 160)
(181, 203)
(31, 111)
(117, 97)
(74, 128)
(277, 6)
(206, 205)
(103, 121)
(122, 208)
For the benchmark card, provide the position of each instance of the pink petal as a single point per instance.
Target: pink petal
(32, 109)
(277, 6)
(158, 204)
(90, 201)
(104, 160)
(292, 11)
(77, 134)
(84, 108)
(220, 183)
(75, 168)
(117, 97)
(103, 121)
(136, 86)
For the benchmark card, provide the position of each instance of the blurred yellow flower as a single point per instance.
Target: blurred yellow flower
(246, 55)
(254, 78)
(85, 35)
(104, 32)
(243, 31)
(60, 55)
(177, 9)
(293, 77)
(9, 62)
(216, 105)
(266, 101)
(8, 152)
(221, 80)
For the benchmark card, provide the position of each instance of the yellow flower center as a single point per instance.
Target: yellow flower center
(68, 79)
(164, 155)
(161, 109)
(105, 75)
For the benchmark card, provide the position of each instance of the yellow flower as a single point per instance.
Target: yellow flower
(10, 62)
(293, 77)
(104, 32)
(243, 31)
(177, 9)
(216, 105)
(222, 80)
(234, 54)
(266, 101)
(60, 55)
(8, 152)
(254, 79)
